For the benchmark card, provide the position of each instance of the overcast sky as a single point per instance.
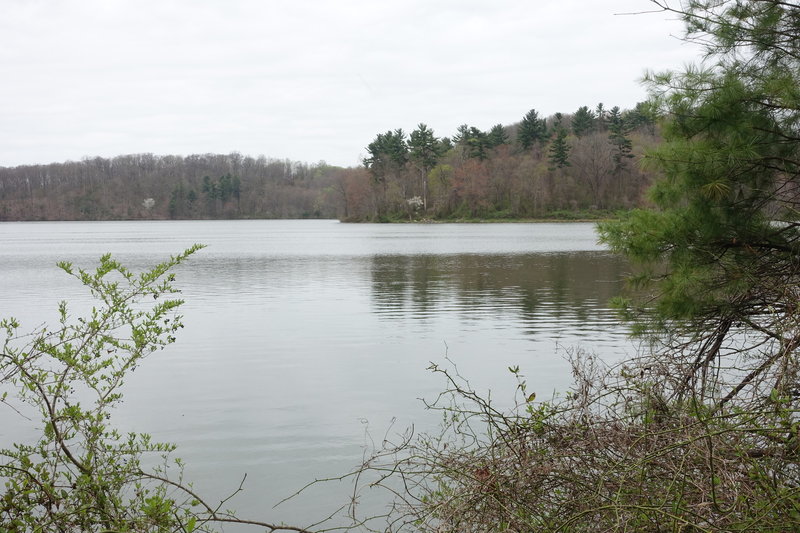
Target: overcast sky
(307, 80)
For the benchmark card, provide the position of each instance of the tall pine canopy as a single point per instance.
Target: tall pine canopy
(531, 130)
(497, 136)
(582, 121)
(619, 128)
(424, 152)
(720, 253)
(559, 150)
(387, 153)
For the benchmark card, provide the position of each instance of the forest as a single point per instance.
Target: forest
(578, 165)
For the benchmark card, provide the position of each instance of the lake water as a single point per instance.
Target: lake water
(300, 335)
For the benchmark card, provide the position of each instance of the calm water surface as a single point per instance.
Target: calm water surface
(300, 335)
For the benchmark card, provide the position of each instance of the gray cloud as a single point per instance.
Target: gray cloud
(306, 80)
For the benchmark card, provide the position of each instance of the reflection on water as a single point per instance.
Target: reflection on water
(541, 294)
(299, 331)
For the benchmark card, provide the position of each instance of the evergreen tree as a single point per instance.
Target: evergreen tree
(559, 150)
(225, 186)
(618, 136)
(478, 144)
(208, 187)
(462, 134)
(191, 198)
(445, 145)
(497, 136)
(461, 139)
(396, 147)
(601, 117)
(532, 130)
(236, 189)
(175, 201)
(582, 122)
(388, 153)
(473, 142)
(641, 116)
(423, 147)
(723, 243)
(424, 152)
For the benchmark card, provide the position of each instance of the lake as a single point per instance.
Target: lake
(301, 336)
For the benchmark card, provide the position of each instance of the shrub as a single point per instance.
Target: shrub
(81, 474)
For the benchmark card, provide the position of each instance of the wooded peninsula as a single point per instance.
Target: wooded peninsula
(566, 166)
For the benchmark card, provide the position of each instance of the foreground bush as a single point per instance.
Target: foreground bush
(702, 432)
(81, 474)
(620, 452)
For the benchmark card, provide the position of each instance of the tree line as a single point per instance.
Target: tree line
(145, 186)
(560, 165)
(537, 167)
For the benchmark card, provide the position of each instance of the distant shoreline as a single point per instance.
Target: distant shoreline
(377, 222)
(485, 221)
(559, 217)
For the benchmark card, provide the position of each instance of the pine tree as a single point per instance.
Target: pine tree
(445, 145)
(497, 136)
(462, 134)
(582, 122)
(388, 153)
(641, 116)
(461, 139)
(473, 142)
(478, 144)
(601, 117)
(423, 147)
(559, 150)
(720, 250)
(424, 152)
(532, 130)
(618, 136)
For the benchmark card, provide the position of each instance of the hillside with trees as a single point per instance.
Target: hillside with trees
(562, 166)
